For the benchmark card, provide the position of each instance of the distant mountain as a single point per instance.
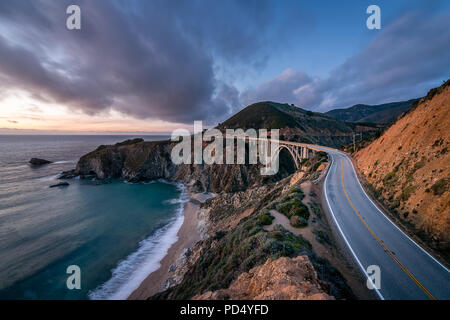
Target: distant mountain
(408, 168)
(383, 113)
(297, 124)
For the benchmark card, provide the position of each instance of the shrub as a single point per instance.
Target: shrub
(298, 222)
(302, 211)
(322, 237)
(322, 155)
(286, 208)
(219, 235)
(406, 193)
(278, 235)
(266, 219)
(395, 203)
(419, 164)
(390, 178)
(297, 192)
(316, 209)
(129, 141)
(440, 187)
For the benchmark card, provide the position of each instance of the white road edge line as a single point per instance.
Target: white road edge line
(435, 260)
(340, 230)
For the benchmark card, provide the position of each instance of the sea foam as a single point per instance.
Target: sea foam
(133, 270)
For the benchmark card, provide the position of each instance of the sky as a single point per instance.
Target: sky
(157, 65)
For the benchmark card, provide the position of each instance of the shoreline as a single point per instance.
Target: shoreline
(187, 236)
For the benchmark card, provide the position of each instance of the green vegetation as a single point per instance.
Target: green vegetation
(239, 250)
(293, 208)
(266, 219)
(101, 147)
(440, 186)
(298, 222)
(226, 255)
(322, 155)
(129, 141)
(309, 127)
(322, 237)
(435, 91)
(419, 164)
(390, 178)
(316, 209)
(298, 192)
(406, 193)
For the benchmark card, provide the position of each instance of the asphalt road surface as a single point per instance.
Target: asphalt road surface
(406, 270)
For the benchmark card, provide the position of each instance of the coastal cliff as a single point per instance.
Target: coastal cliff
(234, 237)
(239, 234)
(239, 237)
(138, 160)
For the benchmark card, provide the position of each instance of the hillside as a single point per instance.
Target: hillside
(383, 113)
(409, 168)
(238, 233)
(282, 279)
(297, 124)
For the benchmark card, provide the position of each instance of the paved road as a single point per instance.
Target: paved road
(407, 271)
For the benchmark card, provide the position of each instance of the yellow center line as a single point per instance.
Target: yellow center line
(381, 242)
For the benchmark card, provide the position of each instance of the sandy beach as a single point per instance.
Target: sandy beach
(188, 235)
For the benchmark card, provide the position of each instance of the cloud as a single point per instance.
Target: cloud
(402, 62)
(170, 60)
(147, 59)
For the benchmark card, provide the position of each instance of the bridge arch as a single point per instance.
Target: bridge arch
(293, 152)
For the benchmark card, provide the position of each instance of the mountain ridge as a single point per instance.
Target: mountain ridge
(385, 113)
(297, 124)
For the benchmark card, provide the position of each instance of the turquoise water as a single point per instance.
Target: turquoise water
(116, 233)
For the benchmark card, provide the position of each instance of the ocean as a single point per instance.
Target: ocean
(116, 233)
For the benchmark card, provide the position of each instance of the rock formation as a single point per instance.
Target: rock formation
(39, 162)
(145, 161)
(61, 184)
(282, 279)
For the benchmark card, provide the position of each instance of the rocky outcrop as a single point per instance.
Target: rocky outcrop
(282, 279)
(39, 162)
(61, 184)
(70, 174)
(145, 161)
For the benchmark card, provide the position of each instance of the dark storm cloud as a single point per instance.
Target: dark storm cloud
(148, 59)
(402, 62)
